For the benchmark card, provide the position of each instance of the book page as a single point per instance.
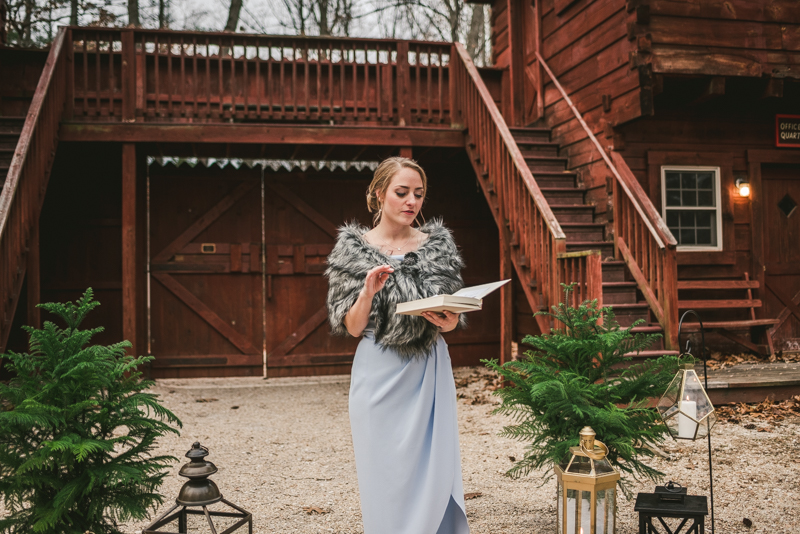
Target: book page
(478, 292)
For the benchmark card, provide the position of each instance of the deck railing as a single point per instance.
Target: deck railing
(24, 189)
(533, 230)
(641, 238)
(169, 76)
(585, 270)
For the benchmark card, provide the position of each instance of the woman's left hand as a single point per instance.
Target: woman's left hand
(446, 321)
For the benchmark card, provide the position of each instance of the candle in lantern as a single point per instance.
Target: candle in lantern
(686, 426)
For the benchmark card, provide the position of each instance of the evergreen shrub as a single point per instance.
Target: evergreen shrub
(579, 375)
(77, 429)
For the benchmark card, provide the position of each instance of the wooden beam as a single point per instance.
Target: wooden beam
(506, 301)
(302, 332)
(300, 205)
(33, 278)
(281, 134)
(129, 244)
(516, 43)
(787, 303)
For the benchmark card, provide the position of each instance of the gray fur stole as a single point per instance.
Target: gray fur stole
(433, 269)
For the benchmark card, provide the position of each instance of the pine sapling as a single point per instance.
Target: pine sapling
(581, 374)
(77, 432)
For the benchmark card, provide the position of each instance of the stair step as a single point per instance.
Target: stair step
(540, 148)
(11, 125)
(563, 179)
(619, 293)
(546, 163)
(653, 353)
(626, 314)
(531, 135)
(606, 248)
(572, 196)
(614, 271)
(566, 214)
(581, 231)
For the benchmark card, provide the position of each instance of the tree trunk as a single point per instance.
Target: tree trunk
(323, 6)
(133, 13)
(73, 12)
(233, 15)
(476, 36)
(162, 14)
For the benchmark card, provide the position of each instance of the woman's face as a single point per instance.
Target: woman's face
(403, 198)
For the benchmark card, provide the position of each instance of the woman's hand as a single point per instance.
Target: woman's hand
(446, 321)
(376, 279)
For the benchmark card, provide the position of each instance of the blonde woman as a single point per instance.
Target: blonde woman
(402, 393)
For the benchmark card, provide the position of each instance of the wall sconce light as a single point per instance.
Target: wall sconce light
(743, 186)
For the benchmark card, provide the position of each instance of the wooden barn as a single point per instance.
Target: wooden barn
(195, 180)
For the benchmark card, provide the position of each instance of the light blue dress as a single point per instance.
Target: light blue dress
(405, 435)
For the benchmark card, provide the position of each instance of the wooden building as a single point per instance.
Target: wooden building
(196, 180)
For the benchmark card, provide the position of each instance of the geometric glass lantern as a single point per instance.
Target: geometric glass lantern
(685, 407)
(200, 492)
(587, 489)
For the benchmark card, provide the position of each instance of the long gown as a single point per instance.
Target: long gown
(405, 436)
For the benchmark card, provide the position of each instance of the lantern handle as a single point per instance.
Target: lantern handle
(595, 455)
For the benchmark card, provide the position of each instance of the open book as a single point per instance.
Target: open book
(464, 300)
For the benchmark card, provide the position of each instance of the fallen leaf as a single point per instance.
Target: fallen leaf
(483, 433)
(311, 510)
(475, 495)
(750, 426)
(747, 522)
(512, 458)
(206, 400)
(234, 407)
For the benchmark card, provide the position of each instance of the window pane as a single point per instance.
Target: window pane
(687, 219)
(672, 180)
(672, 218)
(705, 198)
(704, 237)
(705, 180)
(673, 197)
(689, 180)
(689, 198)
(686, 237)
(704, 219)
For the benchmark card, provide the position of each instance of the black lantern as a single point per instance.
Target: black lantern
(671, 502)
(196, 495)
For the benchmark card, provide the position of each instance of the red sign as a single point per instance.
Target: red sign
(787, 131)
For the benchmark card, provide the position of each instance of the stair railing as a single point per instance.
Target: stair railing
(540, 260)
(23, 193)
(641, 238)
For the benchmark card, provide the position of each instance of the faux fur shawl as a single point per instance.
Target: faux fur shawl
(433, 269)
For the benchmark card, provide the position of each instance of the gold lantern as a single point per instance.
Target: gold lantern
(685, 407)
(587, 489)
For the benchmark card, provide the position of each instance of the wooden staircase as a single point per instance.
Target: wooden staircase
(567, 200)
(10, 130)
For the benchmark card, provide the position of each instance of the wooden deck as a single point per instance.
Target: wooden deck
(754, 383)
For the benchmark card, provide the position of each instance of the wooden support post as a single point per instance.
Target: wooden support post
(33, 279)
(129, 244)
(516, 44)
(69, 97)
(506, 301)
(757, 233)
(403, 85)
(128, 75)
(537, 20)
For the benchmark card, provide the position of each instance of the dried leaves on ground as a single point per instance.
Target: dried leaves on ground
(719, 360)
(768, 411)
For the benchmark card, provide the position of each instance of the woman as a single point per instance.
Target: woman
(402, 393)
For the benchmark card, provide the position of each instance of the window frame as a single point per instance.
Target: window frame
(717, 208)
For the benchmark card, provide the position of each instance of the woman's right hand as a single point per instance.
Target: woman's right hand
(376, 279)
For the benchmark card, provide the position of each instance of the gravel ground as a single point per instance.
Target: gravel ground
(284, 453)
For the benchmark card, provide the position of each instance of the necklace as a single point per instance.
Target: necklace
(398, 249)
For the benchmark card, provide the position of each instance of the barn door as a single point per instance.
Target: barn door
(207, 312)
(781, 223)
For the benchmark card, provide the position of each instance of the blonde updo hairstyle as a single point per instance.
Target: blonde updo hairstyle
(383, 178)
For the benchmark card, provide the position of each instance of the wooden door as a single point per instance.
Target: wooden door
(206, 306)
(781, 223)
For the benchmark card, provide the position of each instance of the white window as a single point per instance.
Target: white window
(690, 204)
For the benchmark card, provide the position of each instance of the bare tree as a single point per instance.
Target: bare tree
(233, 15)
(320, 17)
(163, 13)
(475, 41)
(133, 13)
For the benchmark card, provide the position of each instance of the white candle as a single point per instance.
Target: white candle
(686, 426)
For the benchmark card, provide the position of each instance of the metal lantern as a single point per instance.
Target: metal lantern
(587, 489)
(685, 407)
(195, 497)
